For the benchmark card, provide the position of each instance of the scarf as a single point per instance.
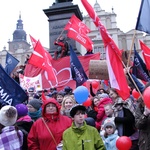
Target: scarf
(35, 115)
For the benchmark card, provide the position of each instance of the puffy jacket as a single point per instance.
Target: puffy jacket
(101, 111)
(39, 137)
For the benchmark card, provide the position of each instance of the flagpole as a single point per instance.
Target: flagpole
(60, 34)
(131, 49)
(126, 68)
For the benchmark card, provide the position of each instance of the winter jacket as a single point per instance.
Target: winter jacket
(101, 112)
(143, 124)
(84, 138)
(110, 141)
(39, 137)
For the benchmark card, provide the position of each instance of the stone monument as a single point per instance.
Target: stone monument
(58, 16)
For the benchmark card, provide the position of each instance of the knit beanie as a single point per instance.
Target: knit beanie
(109, 122)
(22, 110)
(8, 115)
(36, 103)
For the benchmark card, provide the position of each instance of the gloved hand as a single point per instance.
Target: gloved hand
(146, 111)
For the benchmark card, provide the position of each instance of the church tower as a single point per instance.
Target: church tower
(19, 38)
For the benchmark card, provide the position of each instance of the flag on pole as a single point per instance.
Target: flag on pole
(143, 21)
(77, 30)
(10, 90)
(41, 59)
(77, 22)
(139, 67)
(113, 56)
(146, 54)
(77, 71)
(11, 63)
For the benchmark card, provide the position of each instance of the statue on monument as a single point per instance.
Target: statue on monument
(61, 1)
(62, 49)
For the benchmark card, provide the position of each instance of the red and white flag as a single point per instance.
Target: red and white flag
(76, 21)
(113, 56)
(77, 30)
(34, 41)
(146, 54)
(41, 58)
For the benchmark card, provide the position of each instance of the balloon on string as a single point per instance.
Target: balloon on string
(81, 94)
(123, 143)
(95, 84)
(146, 97)
(135, 94)
(88, 102)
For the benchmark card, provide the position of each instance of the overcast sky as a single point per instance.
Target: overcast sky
(36, 22)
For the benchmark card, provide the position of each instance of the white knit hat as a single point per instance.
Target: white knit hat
(109, 122)
(8, 115)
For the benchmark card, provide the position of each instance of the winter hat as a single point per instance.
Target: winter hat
(75, 108)
(8, 115)
(109, 122)
(36, 103)
(104, 95)
(21, 109)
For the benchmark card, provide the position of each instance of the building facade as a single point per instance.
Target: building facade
(20, 48)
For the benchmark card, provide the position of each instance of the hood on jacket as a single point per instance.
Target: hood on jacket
(50, 100)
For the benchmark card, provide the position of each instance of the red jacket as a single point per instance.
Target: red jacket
(101, 112)
(39, 137)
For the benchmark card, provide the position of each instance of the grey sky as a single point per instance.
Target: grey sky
(35, 21)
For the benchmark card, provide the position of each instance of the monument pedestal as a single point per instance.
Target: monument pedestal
(58, 16)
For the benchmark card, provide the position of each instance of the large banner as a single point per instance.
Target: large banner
(27, 82)
(62, 71)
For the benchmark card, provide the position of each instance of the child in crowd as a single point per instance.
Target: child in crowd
(110, 135)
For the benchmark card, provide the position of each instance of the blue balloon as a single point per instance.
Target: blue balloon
(81, 94)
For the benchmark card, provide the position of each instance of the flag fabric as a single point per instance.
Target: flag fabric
(11, 63)
(113, 56)
(34, 42)
(146, 54)
(77, 30)
(10, 90)
(27, 82)
(41, 59)
(77, 22)
(63, 71)
(77, 71)
(143, 21)
(139, 67)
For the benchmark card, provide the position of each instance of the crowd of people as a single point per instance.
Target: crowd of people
(52, 119)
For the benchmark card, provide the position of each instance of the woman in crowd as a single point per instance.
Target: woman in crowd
(46, 132)
(67, 103)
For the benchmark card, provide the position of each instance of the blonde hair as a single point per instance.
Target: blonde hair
(71, 97)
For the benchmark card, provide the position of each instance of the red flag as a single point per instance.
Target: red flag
(34, 41)
(78, 31)
(113, 56)
(43, 97)
(146, 54)
(63, 71)
(77, 22)
(40, 58)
